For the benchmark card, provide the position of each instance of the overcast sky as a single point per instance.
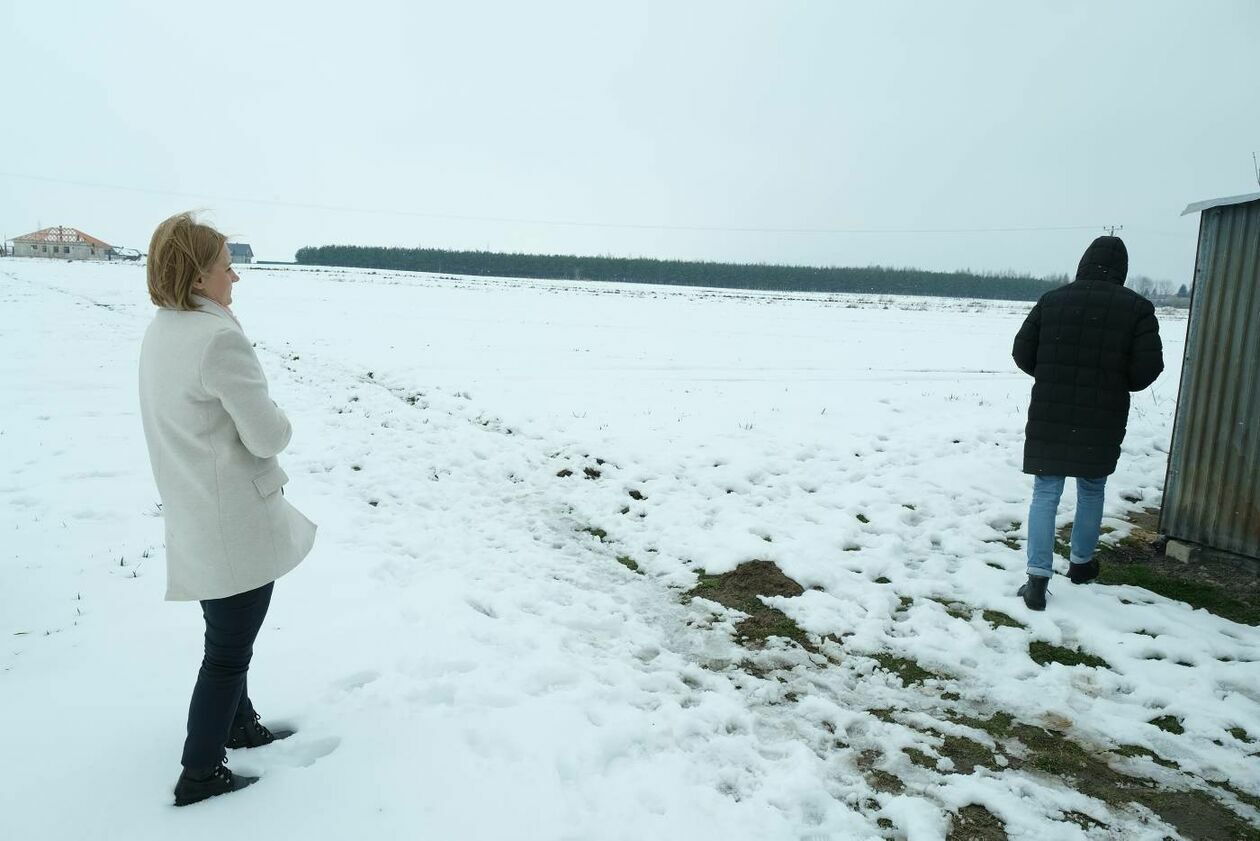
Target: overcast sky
(826, 133)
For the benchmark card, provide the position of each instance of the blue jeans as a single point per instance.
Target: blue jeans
(1045, 503)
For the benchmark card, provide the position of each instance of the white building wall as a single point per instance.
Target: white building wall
(61, 251)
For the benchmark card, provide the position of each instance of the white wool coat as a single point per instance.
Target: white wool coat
(213, 435)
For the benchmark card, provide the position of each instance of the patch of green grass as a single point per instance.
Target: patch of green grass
(999, 724)
(1135, 750)
(976, 823)
(955, 609)
(1169, 724)
(1197, 814)
(598, 533)
(1215, 600)
(1044, 653)
(883, 579)
(885, 782)
(905, 601)
(1054, 753)
(1194, 813)
(880, 780)
(967, 754)
(628, 562)
(999, 619)
(1250, 799)
(1240, 734)
(771, 623)
(908, 670)
(1138, 750)
(1131, 549)
(704, 581)
(920, 758)
(742, 588)
(862, 518)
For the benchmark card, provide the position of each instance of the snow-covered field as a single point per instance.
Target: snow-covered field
(464, 657)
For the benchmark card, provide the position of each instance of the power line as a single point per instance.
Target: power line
(555, 222)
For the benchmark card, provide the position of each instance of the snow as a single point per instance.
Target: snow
(463, 660)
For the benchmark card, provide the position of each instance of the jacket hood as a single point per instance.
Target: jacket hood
(1105, 259)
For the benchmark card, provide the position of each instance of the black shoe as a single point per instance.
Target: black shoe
(1083, 573)
(251, 733)
(1034, 592)
(197, 785)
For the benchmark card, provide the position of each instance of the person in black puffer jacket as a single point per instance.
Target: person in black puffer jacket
(1087, 344)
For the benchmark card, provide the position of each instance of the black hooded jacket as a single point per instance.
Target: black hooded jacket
(1087, 344)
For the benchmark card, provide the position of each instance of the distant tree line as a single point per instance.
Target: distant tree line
(1152, 288)
(873, 280)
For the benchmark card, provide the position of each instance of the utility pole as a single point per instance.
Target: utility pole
(1111, 229)
(1256, 165)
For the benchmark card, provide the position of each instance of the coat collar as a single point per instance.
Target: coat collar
(216, 309)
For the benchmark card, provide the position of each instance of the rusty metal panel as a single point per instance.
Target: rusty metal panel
(1212, 493)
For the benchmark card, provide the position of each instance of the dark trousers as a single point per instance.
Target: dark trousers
(220, 697)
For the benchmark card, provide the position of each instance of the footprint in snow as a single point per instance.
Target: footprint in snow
(358, 680)
(295, 752)
(482, 608)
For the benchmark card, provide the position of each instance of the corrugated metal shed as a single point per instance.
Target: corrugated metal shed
(1212, 492)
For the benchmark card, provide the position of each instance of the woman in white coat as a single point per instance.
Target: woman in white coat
(213, 434)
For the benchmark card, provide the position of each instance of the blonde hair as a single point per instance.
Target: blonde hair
(182, 249)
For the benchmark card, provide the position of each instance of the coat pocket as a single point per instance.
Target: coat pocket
(271, 481)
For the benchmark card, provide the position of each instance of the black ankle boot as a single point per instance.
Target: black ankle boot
(251, 733)
(1034, 592)
(195, 785)
(1083, 573)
